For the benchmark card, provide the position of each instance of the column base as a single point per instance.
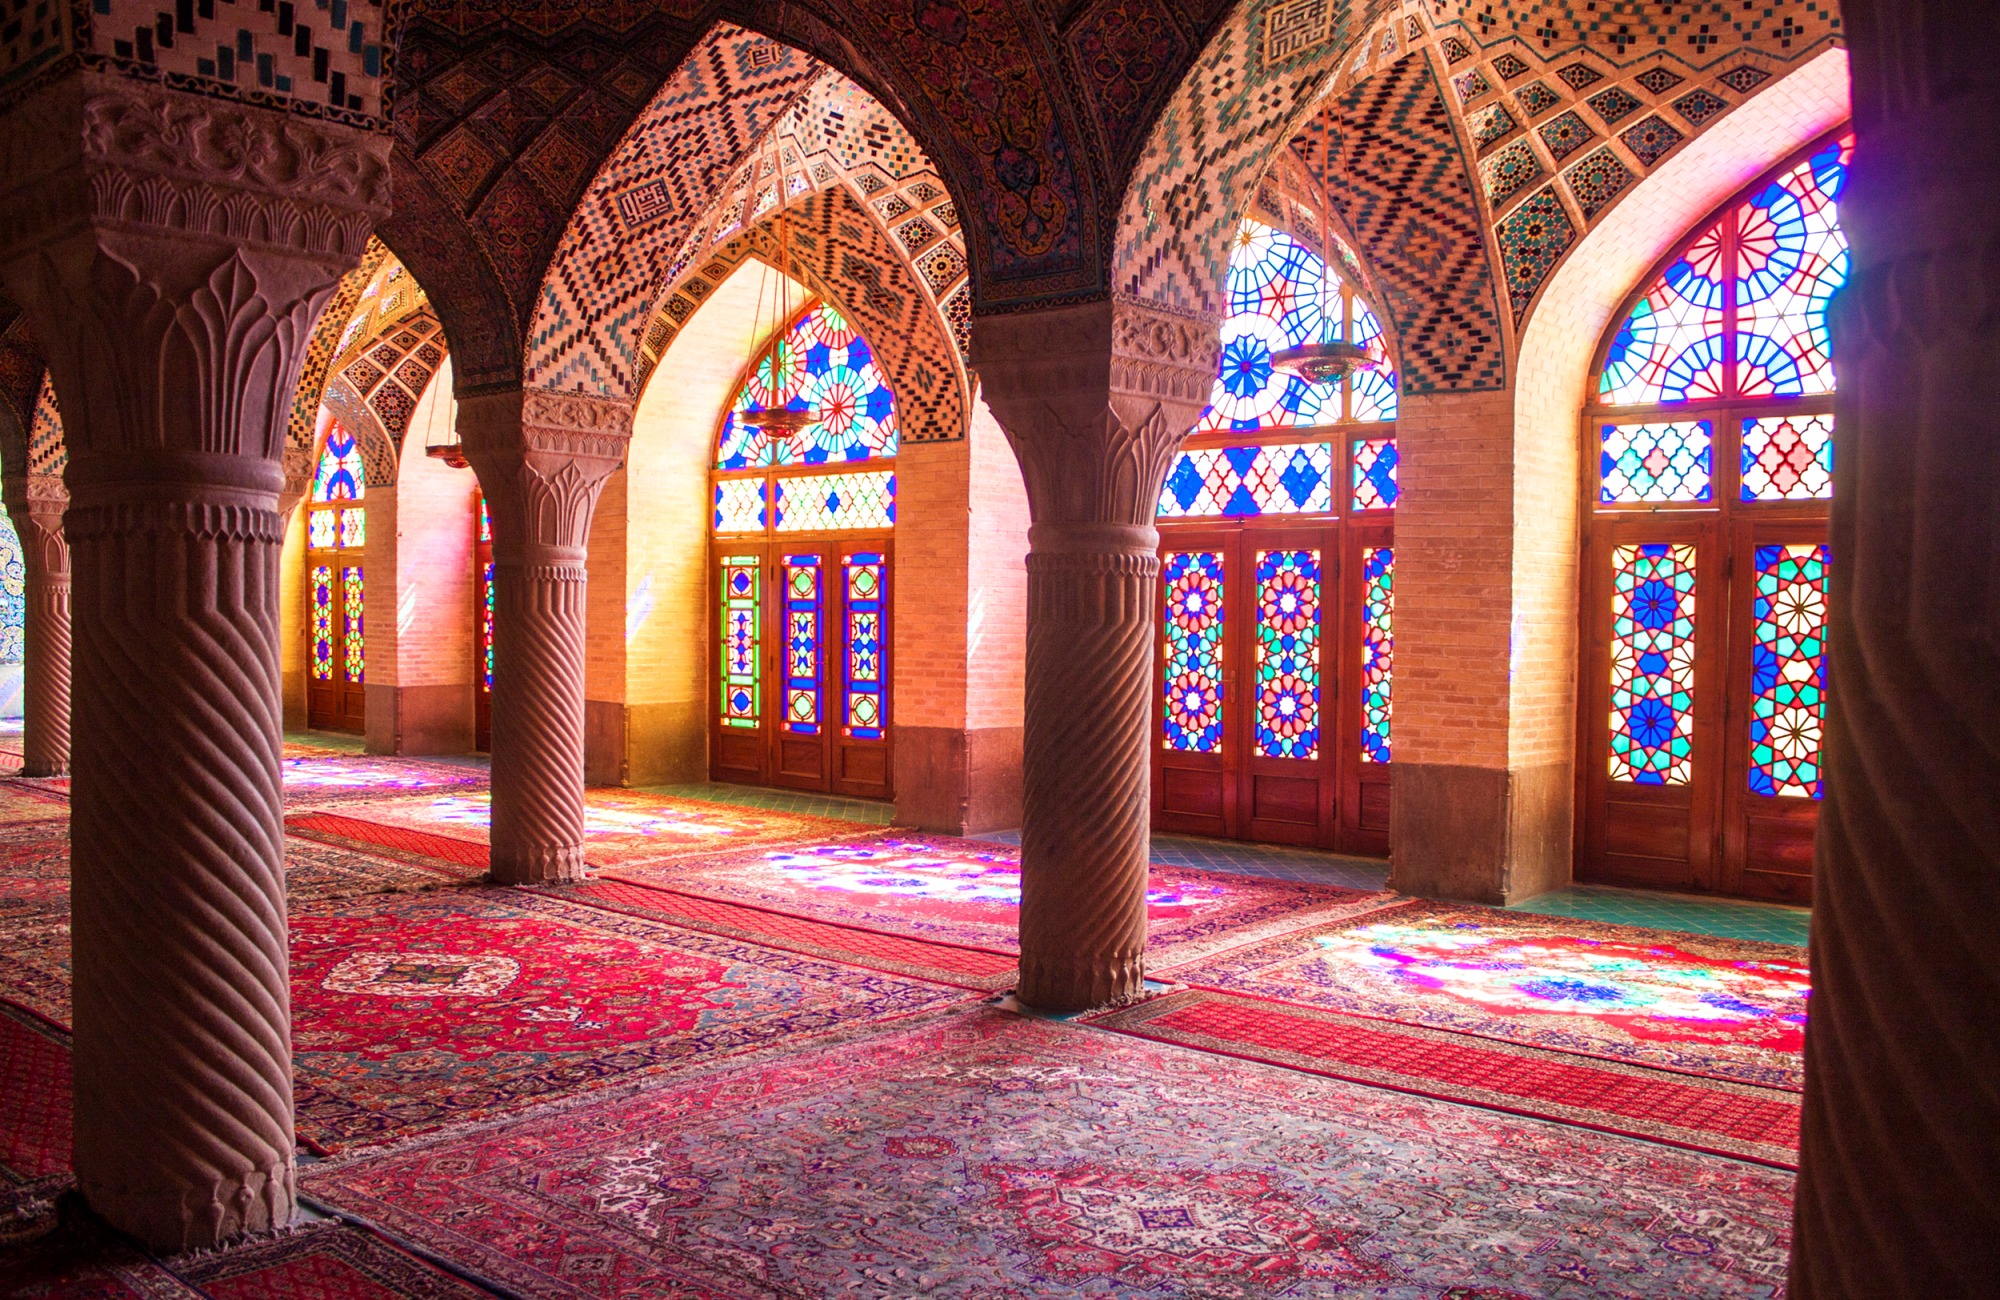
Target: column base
(1479, 834)
(540, 866)
(170, 1219)
(1080, 983)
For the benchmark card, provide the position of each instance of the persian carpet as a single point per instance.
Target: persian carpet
(331, 779)
(1719, 1008)
(1736, 1119)
(412, 1011)
(329, 1262)
(621, 826)
(974, 1153)
(34, 1100)
(34, 872)
(465, 858)
(32, 799)
(971, 968)
(34, 966)
(968, 892)
(77, 1260)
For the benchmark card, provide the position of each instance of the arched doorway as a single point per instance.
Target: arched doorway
(1277, 554)
(336, 532)
(802, 554)
(1709, 458)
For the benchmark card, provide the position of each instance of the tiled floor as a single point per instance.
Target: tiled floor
(872, 811)
(339, 740)
(1724, 917)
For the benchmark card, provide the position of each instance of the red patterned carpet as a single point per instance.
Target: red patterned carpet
(414, 1011)
(1717, 1008)
(973, 1153)
(331, 778)
(1734, 1119)
(620, 826)
(35, 1116)
(968, 892)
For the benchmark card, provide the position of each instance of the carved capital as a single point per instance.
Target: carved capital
(542, 458)
(1095, 400)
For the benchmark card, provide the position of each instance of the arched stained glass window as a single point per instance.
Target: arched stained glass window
(336, 533)
(1742, 311)
(1712, 435)
(823, 365)
(1279, 298)
(339, 476)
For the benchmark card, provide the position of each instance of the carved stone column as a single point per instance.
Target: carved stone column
(38, 520)
(1095, 400)
(172, 252)
(542, 459)
(1899, 1179)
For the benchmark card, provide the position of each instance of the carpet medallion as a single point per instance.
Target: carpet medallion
(413, 1011)
(620, 826)
(973, 1153)
(1721, 1008)
(1736, 1119)
(969, 892)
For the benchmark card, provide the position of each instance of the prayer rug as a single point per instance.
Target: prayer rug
(978, 1154)
(329, 1262)
(34, 966)
(968, 892)
(418, 848)
(970, 968)
(1720, 1008)
(1736, 1119)
(34, 872)
(32, 799)
(346, 778)
(412, 1011)
(621, 826)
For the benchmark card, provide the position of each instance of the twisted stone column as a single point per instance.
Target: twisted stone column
(38, 521)
(172, 252)
(542, 459)
(1095, 400)
(1899, 1178)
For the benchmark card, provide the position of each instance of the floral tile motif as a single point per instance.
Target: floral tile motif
(1510, 67)
(1565, 135)
(1744, 78)
(1651, 140)
(1510, 171)
(1470, 85)
(1597, 180)
(1532, 239)
(1578, 75)
(1615, 105)
(1658, 81)
(1536, 99)
(1490, 124)
(1697, 106)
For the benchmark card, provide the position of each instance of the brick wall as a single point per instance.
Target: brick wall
(430, 639)
(997, 618)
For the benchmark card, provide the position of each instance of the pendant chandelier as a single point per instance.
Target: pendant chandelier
(779, 424)
(1320, 362)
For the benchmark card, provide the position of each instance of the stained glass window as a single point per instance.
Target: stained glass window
(13, 596)
(814, 503)
(1659, 462)
(863, 668)
(485, 522)
(1791, 258)
(1378, 601)
(1788, 670)
(739, 505)
(1286, 654)
(357, 645)
(1239, 482)
(322, 623)
(354, 527)
(821, 364)
(1375, 474)
(339, 476)
(322, 529)
(1652, 663)
(1766, 270)
(1192, 703)
(741, 604)
(1276, 290)
(1788, 458)
(486, 621)
(802, 644)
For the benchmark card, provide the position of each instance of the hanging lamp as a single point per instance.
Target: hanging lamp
(445, 445)
(1323, 362)
(779, 424)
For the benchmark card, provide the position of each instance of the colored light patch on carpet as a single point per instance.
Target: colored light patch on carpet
(969, 892)
(1736, 1119)
(416, 1010)
(976, 1154)
(1724, 1008)
(619, 826)
(341, 778)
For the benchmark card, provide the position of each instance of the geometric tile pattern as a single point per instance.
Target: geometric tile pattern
(1532, 239)
(47, 454)
(1510, 171)
(1404, 190)
(1651, 140)
(597, 297)
(325, 340)
(1597, 180)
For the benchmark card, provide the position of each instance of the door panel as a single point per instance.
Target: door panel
(1195, 682)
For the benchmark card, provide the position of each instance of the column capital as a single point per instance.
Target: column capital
(1096, 399)
(542, 458)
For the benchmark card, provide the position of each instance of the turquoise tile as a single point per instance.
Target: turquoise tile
(871, 812)
(1724, 918)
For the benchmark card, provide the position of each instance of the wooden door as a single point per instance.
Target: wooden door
(336, 626)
